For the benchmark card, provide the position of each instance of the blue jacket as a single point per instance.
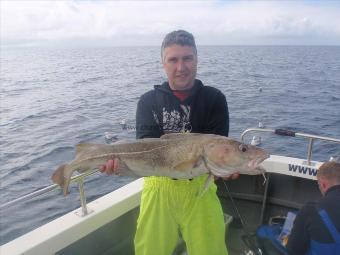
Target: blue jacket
(317, 248)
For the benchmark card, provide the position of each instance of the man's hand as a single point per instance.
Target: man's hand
(230, 177)
(111, 167)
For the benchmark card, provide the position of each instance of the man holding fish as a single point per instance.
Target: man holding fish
(171, 205)
(182, 129)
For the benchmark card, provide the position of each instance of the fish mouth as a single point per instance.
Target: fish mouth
(253, 167)
(254, 163)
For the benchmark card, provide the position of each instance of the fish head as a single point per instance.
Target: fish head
(224, 156)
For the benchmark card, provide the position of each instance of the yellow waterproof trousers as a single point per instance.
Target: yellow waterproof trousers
(169, 206)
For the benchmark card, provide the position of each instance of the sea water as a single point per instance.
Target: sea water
(52, 99)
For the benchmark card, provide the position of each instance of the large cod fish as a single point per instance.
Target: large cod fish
(179, 156)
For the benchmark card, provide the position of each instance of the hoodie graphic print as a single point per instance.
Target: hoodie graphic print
(175, 121)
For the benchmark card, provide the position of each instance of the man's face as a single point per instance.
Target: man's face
(180, 65)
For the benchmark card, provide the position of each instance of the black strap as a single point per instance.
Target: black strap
(284, 132)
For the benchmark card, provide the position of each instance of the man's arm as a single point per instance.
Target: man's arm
(219, 123)
(219, 117)
(146, 124)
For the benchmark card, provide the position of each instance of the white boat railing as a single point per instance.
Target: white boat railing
(284, 132)
(77, 178)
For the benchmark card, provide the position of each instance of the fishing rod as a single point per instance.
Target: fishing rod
(247, 238)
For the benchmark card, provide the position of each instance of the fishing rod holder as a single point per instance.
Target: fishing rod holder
(77, 178)
(84, 209)
(284, 132)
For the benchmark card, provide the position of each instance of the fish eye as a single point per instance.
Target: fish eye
(243, 147)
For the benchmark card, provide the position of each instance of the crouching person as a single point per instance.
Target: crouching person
(316, 229)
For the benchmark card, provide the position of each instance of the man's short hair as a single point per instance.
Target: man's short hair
(180, 37)
(331, 171)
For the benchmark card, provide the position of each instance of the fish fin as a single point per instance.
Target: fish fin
(66, 184)
(58, 176)
(179, 135)
(88, 150)
(188, 164)
(62, 178)
(207, 183)
(124, 170)
(220, 172)
(198, 162)
(87, 147)
(124, 141)
(83, 147)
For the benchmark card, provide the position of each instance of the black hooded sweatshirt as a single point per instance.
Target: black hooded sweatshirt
(160, 112)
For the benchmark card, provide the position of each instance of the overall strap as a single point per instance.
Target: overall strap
(324, 216)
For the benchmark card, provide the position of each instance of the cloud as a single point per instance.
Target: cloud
(146, 22)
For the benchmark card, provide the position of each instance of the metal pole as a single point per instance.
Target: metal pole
(82, 197)
(264, 201)
(309, 152)
(30, 195)
(46, 190)
(288, 133)
(284, 132)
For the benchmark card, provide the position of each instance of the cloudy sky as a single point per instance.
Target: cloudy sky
(116, 23)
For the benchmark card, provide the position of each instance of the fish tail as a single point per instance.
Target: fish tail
(58, 177)
(66, 184)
